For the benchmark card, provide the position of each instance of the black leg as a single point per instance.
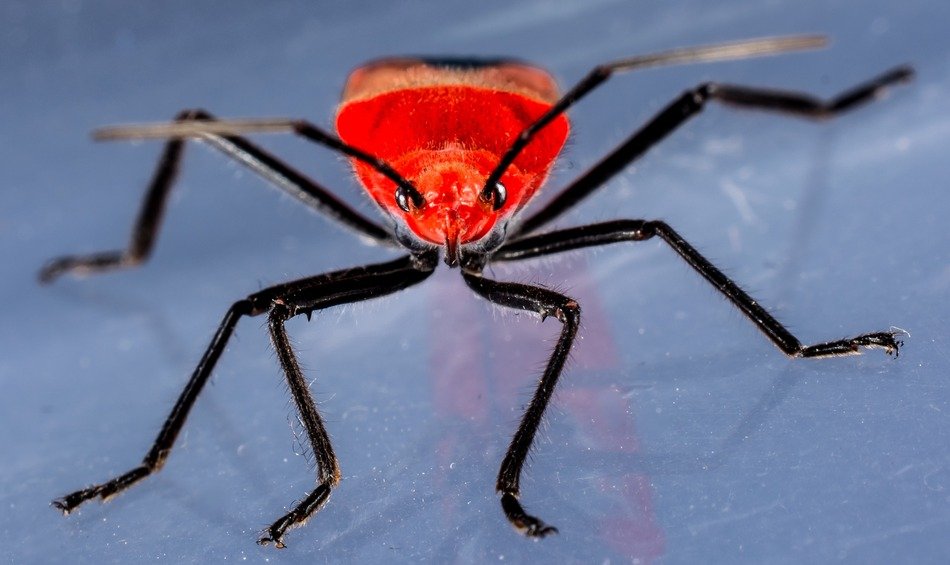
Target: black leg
(639, 230)
(690, 104)
(297, 297)
(353, 286)
(567, 311)
(156, 456)
(149, 220)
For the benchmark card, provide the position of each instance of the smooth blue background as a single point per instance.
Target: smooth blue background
(679, 433)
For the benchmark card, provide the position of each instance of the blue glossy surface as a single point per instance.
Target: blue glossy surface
(679, 434)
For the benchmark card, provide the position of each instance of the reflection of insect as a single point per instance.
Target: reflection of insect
(452, 150)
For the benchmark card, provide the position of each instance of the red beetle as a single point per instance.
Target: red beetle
(452, 150)
(424, 118)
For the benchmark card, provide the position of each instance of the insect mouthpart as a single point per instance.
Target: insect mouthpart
(451, 229)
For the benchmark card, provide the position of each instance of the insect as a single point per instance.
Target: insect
(451, 151)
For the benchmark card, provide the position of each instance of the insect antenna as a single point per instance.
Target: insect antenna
(701, 54)
(198, 129)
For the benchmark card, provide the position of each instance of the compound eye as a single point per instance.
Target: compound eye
(408, 198)
(498, 195)
(402, 199)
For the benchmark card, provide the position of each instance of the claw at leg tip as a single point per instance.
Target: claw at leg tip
(538, 531)
(266, 540)
(61, 506)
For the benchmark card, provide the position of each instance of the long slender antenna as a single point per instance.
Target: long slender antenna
(405, 191)
(744, 49)
(703, 54)
(170, 130)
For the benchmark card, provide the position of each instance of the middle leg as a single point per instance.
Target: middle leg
(282, 301)
(639, 230)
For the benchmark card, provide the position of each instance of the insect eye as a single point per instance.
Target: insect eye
(408, 197)
(498, 195)
(402, 199)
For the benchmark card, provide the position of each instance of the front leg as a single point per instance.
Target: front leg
(282, 301)
(353, 285)
(545, 303)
